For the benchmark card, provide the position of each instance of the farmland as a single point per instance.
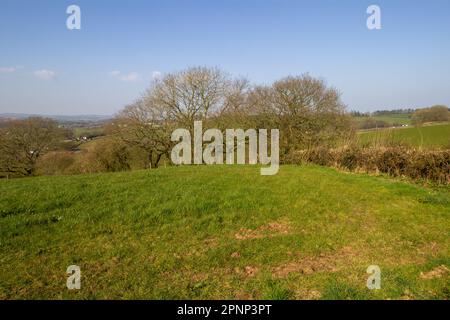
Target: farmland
(429, 136)
(223, 232)
(391, 119)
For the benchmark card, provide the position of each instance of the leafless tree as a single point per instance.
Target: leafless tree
(306, 111)
(194, 94)
(303, 108)
(144, 125)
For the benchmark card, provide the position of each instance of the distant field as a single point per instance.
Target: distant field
(431, 136)
(223, 232)
(390, 119)
(88, 131)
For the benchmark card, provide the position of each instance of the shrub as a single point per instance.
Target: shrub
(105, 155)
(371, 123)
(56, 162)
(435, 113)
(394, 161)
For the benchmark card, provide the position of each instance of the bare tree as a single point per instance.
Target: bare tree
(235, 111)
(194, 94)
(176, 100)
(307, 112)
(144, 125)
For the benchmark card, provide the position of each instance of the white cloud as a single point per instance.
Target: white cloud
(45, 74)
(129, 77)
(156, 75)
(9, 69)
(132, 76)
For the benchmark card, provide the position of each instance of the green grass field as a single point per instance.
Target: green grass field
(401, 118)
(430, 136)
(223, 232)
(88, 131)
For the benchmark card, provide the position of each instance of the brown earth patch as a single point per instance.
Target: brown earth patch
(271, 229)
(235, 255)
(199, 277)
(211, 243)
(222, 272)
(407, 295)
(251, 271)
(243, 295)
(200, 250)
(431, 248)
(303, 294)
(323, 262)
(248, 271)
(437, 272)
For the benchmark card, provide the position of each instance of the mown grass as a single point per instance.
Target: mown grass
(223, 232)
(430, 136)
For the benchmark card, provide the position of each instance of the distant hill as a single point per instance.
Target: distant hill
(60, 118)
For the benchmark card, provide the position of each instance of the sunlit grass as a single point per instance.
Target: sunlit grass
(222, 232)
(431, 136)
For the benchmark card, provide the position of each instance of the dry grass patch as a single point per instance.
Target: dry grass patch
(272, 229)
(304, 294)
(331, 262)
(437, 272)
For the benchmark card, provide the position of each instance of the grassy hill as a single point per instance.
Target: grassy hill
(223, 232)
(430, 136)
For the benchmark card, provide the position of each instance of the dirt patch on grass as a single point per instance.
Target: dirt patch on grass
(331, 262)
(437, 272)
(201, 249)
(199, 277)
(221, 272)
(251, 271)
(303, 294)
(271, 229)
(211, 243)
(247, 272)
(243, 295)
(431, 248)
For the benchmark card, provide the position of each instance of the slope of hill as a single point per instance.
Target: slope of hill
(430, 136)
(223, 232)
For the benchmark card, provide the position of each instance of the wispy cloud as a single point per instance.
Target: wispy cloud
(45, 74)
(10, 69)
(132, 76)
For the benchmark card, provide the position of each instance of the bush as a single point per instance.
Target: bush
(56, 162)
(371, 123)
(105, 155)
(435, 113)
(394, 161)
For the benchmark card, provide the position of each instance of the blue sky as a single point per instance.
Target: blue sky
(46, 68)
